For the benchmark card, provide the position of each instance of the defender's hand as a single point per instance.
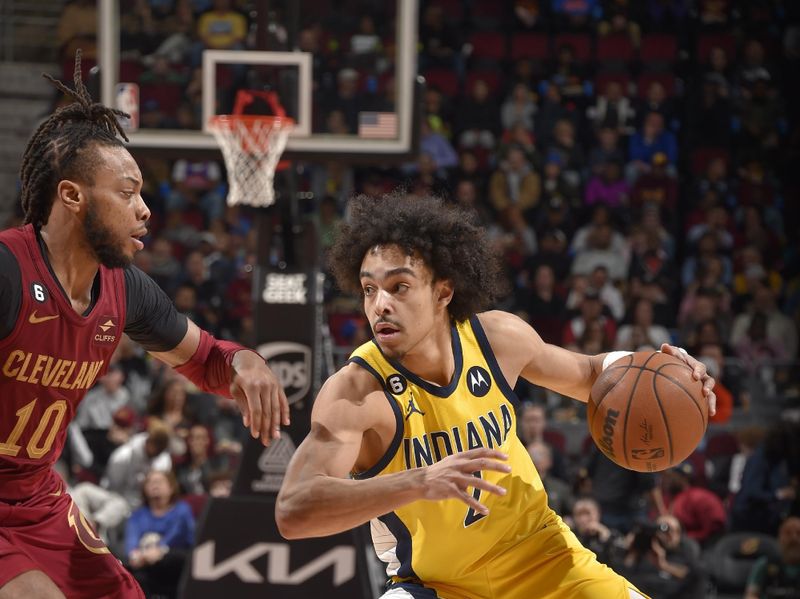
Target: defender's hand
(698, 372)
(259, 395)
(449, 478)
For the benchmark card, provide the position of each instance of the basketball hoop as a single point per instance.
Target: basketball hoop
(251, 146)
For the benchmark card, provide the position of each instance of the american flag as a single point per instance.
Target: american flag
(377, 125)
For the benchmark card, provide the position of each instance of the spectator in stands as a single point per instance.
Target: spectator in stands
(780, 330)
(197, 183)
(710, 113)
(656, 100)
(768, 487)
(559, 494)
(194, 474)
(104, 510)
(439, 40)
(556, 189)
(529, 13)
(612, 110)
(617, 21)
(97, 409)
(130, 462)
(347, 100)
(717, 224)
(624, 495)
(601, 246)
(653, 334)
(532, 425)
(761, 114)
(609, 294)
(607, 150)
(159, 536)
(569, 75)
(576, 14)
(778, 578)
(707, 251)
(77, 28)
(164, 268)
(608, 187)
(570, 152)
(438, 148)
(466, 197)
(605, 542)
(699, 511)
(477, 118)
(553, 251)
(712, 355)
(716, 179)
(519, 108)
(222, 28)
(755, 349)
(591, 311)
(664, 561)
(649, 141)
(545, 305)
(551, 110)
(521, 137)
(515, 183)
(656, 187)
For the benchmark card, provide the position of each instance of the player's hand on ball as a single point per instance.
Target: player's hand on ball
(699, 373)
(260, 396)
(450, 478)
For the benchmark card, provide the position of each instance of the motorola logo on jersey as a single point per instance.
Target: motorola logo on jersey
(106, 330)
(478, 381)
(291, 363)
(396, 383)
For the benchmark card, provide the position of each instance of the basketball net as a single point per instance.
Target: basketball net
(252, 146)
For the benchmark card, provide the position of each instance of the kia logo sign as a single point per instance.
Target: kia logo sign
(291, 363)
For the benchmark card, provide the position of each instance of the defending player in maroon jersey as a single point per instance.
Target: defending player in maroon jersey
(68, 291)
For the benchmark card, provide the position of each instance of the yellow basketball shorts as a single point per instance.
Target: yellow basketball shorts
(549, 564)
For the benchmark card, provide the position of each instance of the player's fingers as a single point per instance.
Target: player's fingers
(254, 406)
(485, 485)
(484, 452)
(699, 371)
(240, 397)
(275, 405)
(712, 403)
(486, 464)
(473, 503)
(284, 403)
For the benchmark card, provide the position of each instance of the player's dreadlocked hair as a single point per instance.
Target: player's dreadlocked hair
(61, 147)
(446, 239)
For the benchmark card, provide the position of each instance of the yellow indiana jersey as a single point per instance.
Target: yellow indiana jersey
(443, 542)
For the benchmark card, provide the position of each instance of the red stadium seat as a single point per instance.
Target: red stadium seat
(530, 45)
(666, 79)
(614, 48)
(581, 44)
(708, 41)
(444, 80)
(488, 45)
(658, 49)
(488, 14)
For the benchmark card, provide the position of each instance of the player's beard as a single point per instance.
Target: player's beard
(105, 247)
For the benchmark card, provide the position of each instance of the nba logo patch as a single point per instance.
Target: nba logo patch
(106, 331)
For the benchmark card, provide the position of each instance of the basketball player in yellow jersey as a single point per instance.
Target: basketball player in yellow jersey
(417, 433)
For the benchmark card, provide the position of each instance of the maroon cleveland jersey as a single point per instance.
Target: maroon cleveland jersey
(47, 363)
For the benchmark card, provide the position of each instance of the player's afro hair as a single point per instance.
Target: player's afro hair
(444, 237)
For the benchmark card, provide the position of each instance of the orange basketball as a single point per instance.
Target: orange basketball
(646, 412)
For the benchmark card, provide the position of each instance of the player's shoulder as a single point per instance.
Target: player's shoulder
(503, 327)
(352, 383)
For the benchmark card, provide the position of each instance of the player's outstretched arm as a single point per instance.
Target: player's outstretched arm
(232, 370)
(216, 366)
(319, 498)
(521, 352)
